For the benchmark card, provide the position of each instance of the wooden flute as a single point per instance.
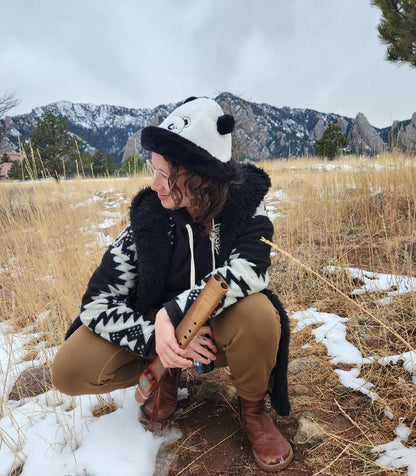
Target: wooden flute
(194, 319)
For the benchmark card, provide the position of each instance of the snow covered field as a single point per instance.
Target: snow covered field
(332, 333)
(56, 435)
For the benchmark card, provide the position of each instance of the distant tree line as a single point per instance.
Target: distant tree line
(53, 151)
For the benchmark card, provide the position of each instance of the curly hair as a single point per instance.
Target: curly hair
(208, 195)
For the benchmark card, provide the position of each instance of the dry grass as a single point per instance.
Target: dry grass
(52, 236)
(360, 214)
(357, 212)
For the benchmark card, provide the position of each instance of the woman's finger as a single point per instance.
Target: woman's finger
(171, 359)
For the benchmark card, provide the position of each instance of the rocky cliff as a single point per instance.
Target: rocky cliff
(402, 135)
(363, 138)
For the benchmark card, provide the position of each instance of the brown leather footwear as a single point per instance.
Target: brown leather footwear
(270, 448)
(162, 403)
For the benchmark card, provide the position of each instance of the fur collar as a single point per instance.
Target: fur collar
(243, 200)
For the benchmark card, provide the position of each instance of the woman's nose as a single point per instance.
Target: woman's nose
(154, 183)
(157, 184)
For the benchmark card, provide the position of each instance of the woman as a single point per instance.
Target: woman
(203, 214)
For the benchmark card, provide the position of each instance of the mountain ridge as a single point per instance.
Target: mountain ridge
(263, 131)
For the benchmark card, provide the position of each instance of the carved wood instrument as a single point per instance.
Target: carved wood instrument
(194, 319)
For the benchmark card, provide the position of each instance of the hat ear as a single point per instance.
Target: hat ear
(192, 98)
(225, 124)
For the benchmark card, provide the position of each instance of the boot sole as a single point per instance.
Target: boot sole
(273, 468)
(150, 416)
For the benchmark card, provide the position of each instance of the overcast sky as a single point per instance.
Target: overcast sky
(318, 54)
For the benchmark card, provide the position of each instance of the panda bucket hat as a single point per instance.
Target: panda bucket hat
(196, 135)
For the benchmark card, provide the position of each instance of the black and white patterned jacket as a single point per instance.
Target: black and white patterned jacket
(131, 277)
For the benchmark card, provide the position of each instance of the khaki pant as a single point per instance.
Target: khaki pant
(247, 336)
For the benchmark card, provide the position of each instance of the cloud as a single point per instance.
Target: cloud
(321, 55)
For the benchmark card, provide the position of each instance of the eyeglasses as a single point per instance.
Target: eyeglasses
(157, 173)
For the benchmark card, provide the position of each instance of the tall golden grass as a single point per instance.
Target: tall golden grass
(356, 211)
(351, 213)
(347, 212)
(51, 242)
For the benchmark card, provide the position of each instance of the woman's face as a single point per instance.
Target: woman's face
(160, 184)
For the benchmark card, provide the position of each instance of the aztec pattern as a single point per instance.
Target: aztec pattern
(105, 308)
(244, 272)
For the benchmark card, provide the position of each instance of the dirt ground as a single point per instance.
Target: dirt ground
(212, 441)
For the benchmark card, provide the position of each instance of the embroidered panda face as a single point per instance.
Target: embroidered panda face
(177, 123)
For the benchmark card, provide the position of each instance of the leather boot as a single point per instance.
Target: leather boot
(162, 403)
(270, 448)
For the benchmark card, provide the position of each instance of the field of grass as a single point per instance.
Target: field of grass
(350, 212)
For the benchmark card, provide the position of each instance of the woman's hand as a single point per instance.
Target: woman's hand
(167, 347)
(196, 350)
(168, 350)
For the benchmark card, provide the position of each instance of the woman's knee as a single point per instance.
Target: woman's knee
(253, 318)
(77, 362)
(257, 315)
(65, 376)
(88, 364)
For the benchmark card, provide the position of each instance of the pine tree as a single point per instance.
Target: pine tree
(397, 29)
(17, 171)
(331, 143)
(53, 146)
(102, 163)
(132, 165)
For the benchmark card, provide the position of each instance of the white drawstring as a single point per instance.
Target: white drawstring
(191, 247)
(212, 239)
